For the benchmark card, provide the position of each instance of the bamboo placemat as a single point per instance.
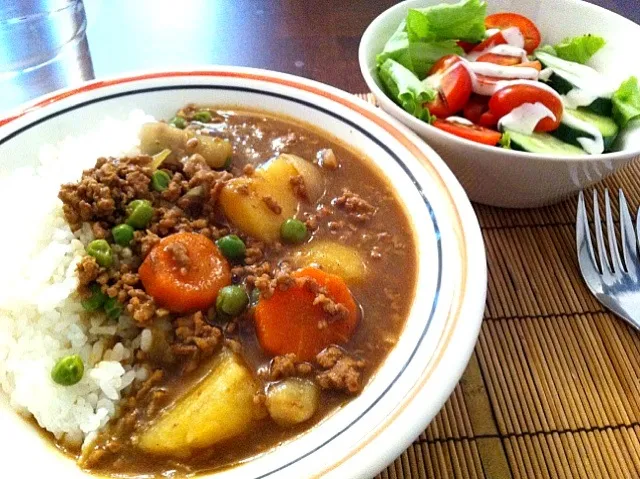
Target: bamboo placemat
(553, 387)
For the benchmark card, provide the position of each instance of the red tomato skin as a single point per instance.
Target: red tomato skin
(453, 85)
(466, 46)
(474, 133)
(506, 99)
(488, 120)
(529, 30)
(494, 40)
(475, 107)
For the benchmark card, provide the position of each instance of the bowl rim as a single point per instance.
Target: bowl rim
(468, 299)
(421, 126)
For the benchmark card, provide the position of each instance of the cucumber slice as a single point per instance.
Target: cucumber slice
(542, 143)
(601, 106)
(570, 134)
(567, 76)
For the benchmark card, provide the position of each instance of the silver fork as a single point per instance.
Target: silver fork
(616, 284)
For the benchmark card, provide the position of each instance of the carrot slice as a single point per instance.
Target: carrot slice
(184, 272)
(289, 322)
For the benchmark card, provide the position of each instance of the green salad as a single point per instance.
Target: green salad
(491, 79)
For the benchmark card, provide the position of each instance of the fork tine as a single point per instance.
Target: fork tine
(604, 265)
(583, 236)
(616, 262)
(627, 235)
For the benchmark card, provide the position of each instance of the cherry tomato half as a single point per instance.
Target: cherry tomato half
(494, 40)
(527, 27)
(506, 99)
(475, 107)
(488, 119)
(466, 46)
(477, 111)
(452, 81)
(475, 133)
(499, 59)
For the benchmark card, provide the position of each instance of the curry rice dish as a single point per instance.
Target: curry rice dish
(208, 287)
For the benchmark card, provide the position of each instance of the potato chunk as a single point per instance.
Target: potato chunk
(334, 258)
(217, 408)
(155, 137)
(259, 204)
(292, 401)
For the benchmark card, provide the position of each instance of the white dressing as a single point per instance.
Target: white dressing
(434, 81)
(545, 74)
(582, 76)
(502, 71)
(513, 36)
(489, 32)
(510, 51)
(488, 87)
(515, 44)
(459, 119)
(524, 118)
(593, 146)
(579, 97)
(588, 83)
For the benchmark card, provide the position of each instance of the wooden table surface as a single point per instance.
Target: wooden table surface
(317, 39)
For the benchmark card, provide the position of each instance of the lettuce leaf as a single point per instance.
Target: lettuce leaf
(419, 56)
(548, 49)
(458, 21)
(579, 49)
(405, 88)
(626, 102)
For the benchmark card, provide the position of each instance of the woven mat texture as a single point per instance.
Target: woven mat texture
(553, 387)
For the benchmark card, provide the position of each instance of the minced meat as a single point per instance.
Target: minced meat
(357, 208)
(103, 191)
(178, 252)
(342, 372)
(285, 366)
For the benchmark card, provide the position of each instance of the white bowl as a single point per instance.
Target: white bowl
(513, 179)
(361, 438)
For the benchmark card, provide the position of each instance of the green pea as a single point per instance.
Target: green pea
(231, 247)
(232, 300)
(140, 213)
(178, 122)
(203, 116)
(293, 231)
(96, 300)
(113, 308)
(160, 180)
(101, 251)
(122, 234)
(68, 370)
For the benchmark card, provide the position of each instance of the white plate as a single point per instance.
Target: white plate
(419, 374)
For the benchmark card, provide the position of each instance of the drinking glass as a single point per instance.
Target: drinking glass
(43, 47)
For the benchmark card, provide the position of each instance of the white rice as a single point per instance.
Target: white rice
(41, 317)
